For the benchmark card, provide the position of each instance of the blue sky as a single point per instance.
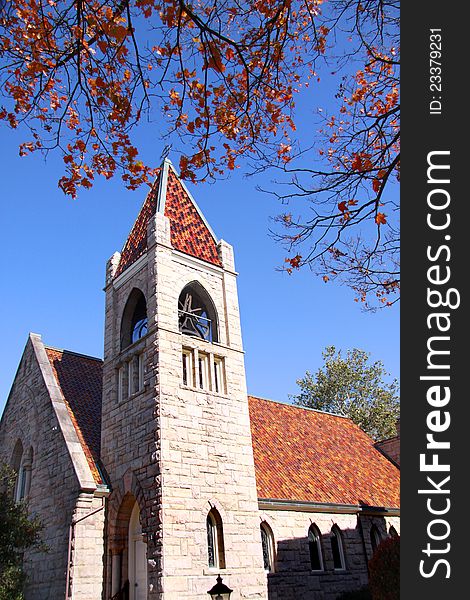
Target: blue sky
(53, 257)
(54, 252)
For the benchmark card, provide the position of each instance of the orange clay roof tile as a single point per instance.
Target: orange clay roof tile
(80, 379)
(310, 456)
(188, 231)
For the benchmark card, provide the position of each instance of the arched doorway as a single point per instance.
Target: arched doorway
(137, 558)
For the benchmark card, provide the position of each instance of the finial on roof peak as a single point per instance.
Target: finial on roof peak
(165, 152)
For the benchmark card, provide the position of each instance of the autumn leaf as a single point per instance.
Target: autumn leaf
(294, 261)
(376, 185)
(380, 219)
(356, 164)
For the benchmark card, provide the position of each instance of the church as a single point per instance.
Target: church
(154, 473)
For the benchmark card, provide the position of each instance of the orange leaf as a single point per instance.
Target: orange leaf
(356, 163)
(376, 185)
(380, 219)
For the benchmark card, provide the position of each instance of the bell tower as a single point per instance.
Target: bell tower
(176, 440)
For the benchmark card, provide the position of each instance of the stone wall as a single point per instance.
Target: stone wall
(86, 570)
(293, 578)
(187, 450)
(54, 488)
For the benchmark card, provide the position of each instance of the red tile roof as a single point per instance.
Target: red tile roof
(136, 243)
(310, 456)
(188, 231)
(80, 379)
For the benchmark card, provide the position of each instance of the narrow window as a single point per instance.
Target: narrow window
(337, 549)
(215, 540)
(211, 541)
(130, 378)
(202, 371)
(140, 363)
(121, 385)
(22, 464)
(187, 367)
(267, 544)
(216, 377)
(22, 483)
(375, 538)
(17, 465)
(219, 382)
(314, 546)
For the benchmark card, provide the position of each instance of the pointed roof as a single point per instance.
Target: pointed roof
(189, 231)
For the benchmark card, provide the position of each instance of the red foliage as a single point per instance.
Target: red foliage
(384, 570)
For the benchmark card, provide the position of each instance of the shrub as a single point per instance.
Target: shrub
(384, 570)
(18, 532)
(11, 583)
(361, 594)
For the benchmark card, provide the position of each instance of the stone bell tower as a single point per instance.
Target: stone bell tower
(176, 441)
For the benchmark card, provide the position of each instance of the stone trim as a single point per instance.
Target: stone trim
(120, 505)
(162, 187)
(74, 447)
(273, 504)
(129, 272)
(191, 261)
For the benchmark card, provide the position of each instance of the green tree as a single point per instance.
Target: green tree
(18, 532)
(353, 387)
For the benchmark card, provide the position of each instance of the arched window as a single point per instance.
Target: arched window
(337, 548)
(315, 549)
(375, 538)
(134, 324)
(215, 540)
(196, 313)
(17, 464)
(21, 463)
(392, 531)
(267, 543)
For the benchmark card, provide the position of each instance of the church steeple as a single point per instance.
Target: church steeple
(189, 231)
(176, 432)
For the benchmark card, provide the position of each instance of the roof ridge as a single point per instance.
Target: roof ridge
(323, 412)
(73, 352)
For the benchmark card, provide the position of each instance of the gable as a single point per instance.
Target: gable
(310, 456)
(38, 414)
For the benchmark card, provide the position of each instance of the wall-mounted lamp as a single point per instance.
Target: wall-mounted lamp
(220, 591)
